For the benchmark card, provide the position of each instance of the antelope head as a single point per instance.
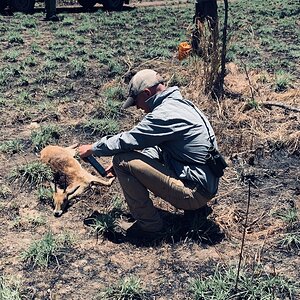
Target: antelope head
(61, 198)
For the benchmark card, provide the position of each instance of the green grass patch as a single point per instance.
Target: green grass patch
(283, 81)
(44, 136)
(44, 194)
(129, 288)
(290, 241)
(101, 126)
(77, 68)
(251, 285)
(103, 224)
(9, 289)
(48, 250)
(288, 215)
(12, 146)
(15, 38)
(33, 173)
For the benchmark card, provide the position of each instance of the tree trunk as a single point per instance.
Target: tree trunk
(206, 10)
(205, 40)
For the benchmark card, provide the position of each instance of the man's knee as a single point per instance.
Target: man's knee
(121, 160)
(125, 157)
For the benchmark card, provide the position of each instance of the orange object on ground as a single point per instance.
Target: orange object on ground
(183, 50)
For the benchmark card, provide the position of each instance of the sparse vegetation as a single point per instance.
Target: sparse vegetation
(290, 241)
(77, 69)
(11, 146)
(103, 224)
(288, 215)
(9, 289)
(33, 173)
(179, 80)
(15, 38)
(44, 136)
(12, 56)
(283, 82)
(36, 221)
(102, 127)
(43, 252)
(129, 288)
(259, 285)
(5, 191)
(65, 82)
(44, 193)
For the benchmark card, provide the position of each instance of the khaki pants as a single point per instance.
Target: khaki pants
(139, 174)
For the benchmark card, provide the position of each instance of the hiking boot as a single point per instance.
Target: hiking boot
(203, 212)
(197, 216)
(135, 232)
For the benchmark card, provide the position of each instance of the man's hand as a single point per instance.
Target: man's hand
(110, 171)
(85, 150)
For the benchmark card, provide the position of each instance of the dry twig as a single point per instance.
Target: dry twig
(269, 104)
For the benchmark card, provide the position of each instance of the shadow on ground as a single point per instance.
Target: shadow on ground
(176, 230)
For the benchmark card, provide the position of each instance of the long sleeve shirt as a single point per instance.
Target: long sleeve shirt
(176, 132)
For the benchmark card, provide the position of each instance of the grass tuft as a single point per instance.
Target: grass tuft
(282, 82)
(44, 194)
(103, 224)
(12, 146)
(9, 290)
(43, 252)
(291, 241)
(258, 285)
(33, 173)
(15, 38)
(77, 68)
(289, 216)
(101, 126)
(128, 288)
(45, 136)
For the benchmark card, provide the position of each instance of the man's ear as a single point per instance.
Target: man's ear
(148, 92)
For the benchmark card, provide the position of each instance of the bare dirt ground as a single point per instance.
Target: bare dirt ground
(261, 143)
(166, 267)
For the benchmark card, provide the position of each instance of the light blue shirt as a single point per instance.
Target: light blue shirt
(175, 132)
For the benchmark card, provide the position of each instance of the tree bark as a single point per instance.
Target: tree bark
(206, 10)
(205, 40)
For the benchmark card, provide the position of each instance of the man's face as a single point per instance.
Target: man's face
(140, 101)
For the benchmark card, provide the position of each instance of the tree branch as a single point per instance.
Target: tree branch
(269, 104)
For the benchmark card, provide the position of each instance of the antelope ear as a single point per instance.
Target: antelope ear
(72, 191)
(53, 186)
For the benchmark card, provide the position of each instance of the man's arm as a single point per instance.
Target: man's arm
(85, 150)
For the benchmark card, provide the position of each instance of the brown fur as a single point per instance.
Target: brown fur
(61, 159)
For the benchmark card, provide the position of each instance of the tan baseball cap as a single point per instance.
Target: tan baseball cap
(139, 82)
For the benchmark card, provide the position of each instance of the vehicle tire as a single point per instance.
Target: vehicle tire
(3, 5)
(87, 4)
(25, 6)
(113, 4)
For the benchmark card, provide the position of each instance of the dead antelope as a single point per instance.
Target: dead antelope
(61, 160)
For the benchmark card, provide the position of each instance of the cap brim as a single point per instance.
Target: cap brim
(129, 102)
